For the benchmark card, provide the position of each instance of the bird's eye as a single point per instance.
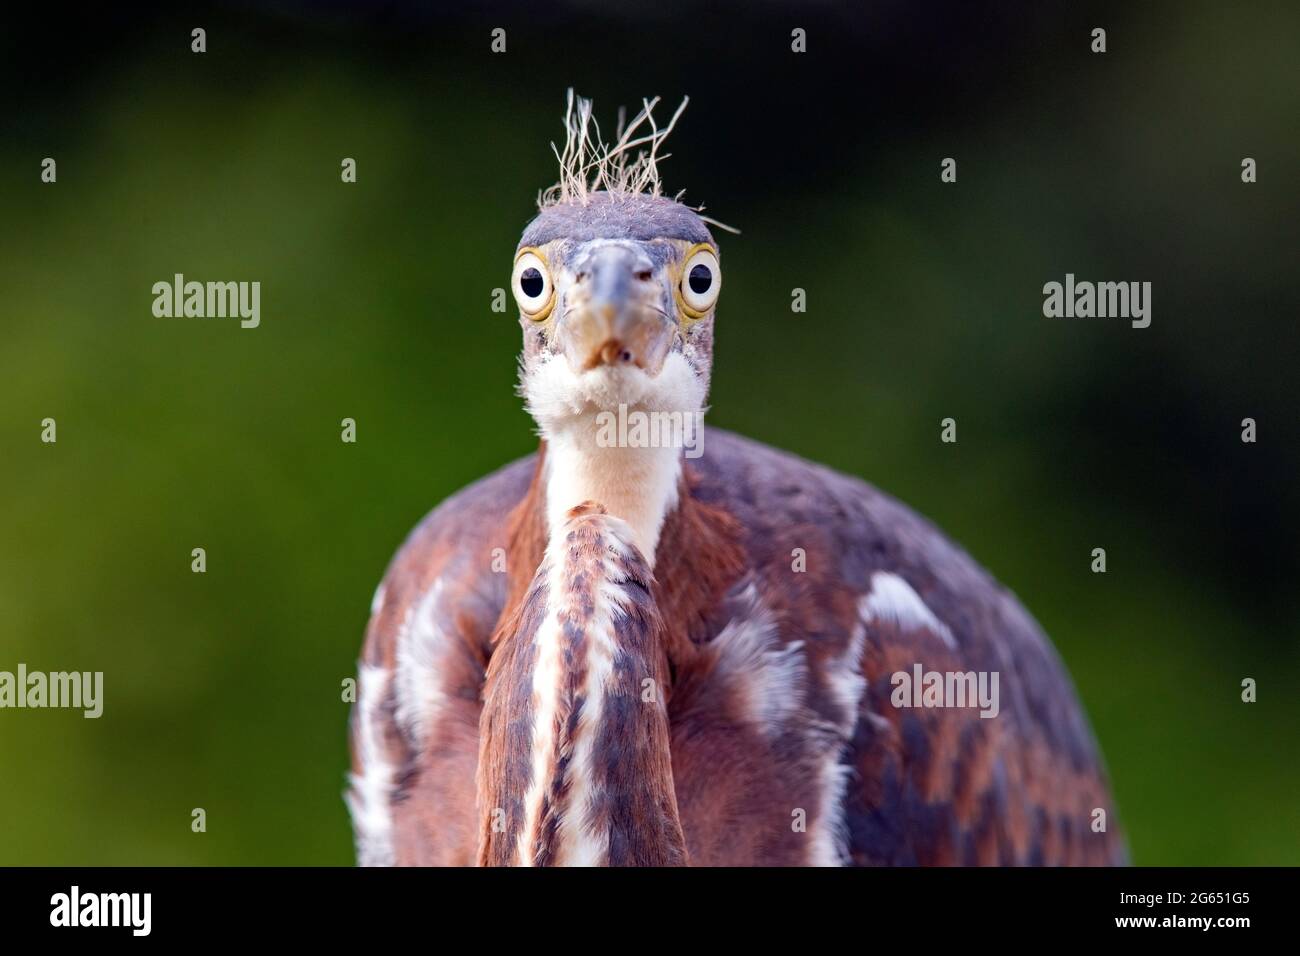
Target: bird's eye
(532, 286)
(701, 281)
(531, 282)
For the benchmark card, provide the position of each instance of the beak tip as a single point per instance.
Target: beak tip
(611, 353)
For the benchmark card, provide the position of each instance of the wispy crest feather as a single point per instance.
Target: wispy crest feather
(627, 166)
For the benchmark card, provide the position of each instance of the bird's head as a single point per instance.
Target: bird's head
(616, 284)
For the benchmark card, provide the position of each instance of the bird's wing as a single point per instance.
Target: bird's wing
(1016, 782)
(414, 730)
(872, 590)
(1014, 777)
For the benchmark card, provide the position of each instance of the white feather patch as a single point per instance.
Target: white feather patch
(421, 644)
(847, 684)
(771, 677)
(368, 800)
(893, 600)
(830, 832)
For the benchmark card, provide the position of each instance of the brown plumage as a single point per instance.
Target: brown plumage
(627, 652)
(936, 786)
(633, 798)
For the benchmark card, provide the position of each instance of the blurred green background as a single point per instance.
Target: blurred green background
(222, 690)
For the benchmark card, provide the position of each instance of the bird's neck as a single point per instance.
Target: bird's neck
(574, 763)
(636, 484)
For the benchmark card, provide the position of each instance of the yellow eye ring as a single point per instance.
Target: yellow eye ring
(531, 283)
(700, 281)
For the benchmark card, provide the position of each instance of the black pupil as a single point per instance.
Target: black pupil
(700, 279)
(531, 282)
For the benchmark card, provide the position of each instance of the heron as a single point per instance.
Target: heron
(611, 653)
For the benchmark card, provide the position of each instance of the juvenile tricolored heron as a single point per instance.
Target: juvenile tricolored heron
(613, 652)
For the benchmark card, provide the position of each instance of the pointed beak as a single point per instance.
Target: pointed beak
(614, 314)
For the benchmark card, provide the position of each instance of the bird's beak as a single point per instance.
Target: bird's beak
(614, 316)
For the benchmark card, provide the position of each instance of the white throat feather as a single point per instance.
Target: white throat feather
(637, 484)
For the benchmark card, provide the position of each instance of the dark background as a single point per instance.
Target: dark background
(222, 690)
